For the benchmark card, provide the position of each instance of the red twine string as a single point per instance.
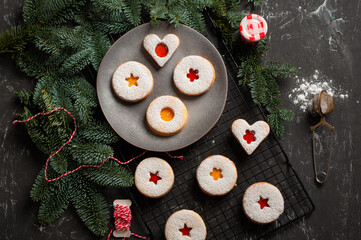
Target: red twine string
(122, 216)
(71, 137)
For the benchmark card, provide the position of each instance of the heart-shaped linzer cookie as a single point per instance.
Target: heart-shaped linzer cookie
(161, 50)
(250, 136)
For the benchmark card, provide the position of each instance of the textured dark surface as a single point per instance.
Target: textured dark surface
(322, 34)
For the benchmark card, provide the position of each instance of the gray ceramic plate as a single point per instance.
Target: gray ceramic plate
(128, 119)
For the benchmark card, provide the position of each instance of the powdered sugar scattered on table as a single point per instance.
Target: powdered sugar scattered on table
(306, 88)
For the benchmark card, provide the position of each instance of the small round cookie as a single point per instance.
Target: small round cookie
(262, 203)
(216, 175)
(185, 225)
(167, 115)
(193, 75)
(154, 177)
(132, 81)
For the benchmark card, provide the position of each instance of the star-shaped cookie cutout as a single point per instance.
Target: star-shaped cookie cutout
(132, 80)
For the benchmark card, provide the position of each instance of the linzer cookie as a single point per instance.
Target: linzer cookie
(154, 177)
(250, 136)
(132, 81)
(262, 203)
(194, 75)
(253, 28)
(185, 225)
(161, 50)
(216, 175)
(167, 115)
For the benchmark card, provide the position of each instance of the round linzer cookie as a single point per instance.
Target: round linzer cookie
(132, 81)
(250, 136)
(194, 75)
(154, 177)
(185, 225)
(262, 203)
(167, 115)
(216, 175)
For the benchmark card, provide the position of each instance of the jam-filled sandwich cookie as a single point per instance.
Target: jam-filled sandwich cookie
(132, 81)
(262, 203)
(154, 177)
(185, 225)
(167, 115)
(216, 175)
(161, 50)
(250, 136)
(194, 75)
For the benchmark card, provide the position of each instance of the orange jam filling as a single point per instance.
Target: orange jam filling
(132, 80)
(192, 75)
(217, 173)
(249, 137)
(185, 230)
(263, 202)
(154, 178)
(161, 50)
(167, 114)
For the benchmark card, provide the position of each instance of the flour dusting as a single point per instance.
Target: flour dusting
(308, 87)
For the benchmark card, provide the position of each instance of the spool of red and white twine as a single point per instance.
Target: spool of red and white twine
(253, 28)
(122, 219)
(122, 214)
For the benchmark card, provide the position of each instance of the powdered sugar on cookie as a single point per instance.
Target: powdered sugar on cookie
(250, 136)
(170, 43)
(216, 175)
(194, 75)
(154, 177)
(172, 125)
(185, 225)
(263, 203)
(132, 81)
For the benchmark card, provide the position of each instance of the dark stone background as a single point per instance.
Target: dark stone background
(314, 35)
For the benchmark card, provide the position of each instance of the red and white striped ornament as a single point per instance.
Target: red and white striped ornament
(253, 28)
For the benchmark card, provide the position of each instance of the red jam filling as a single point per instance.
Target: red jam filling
(154, 178)
(185, 230)
(161, 50)
(263, 203)
(192, 75)
(249, 137)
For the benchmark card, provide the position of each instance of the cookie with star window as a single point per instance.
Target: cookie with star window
(185, 225)
(263, 203)
(132, 81)
(154, 177)
(194, 75)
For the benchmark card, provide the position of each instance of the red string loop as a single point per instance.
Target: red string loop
(71, 137)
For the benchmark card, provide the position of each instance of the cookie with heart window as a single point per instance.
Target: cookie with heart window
(250, 136)
(161, 50)
(194, 75)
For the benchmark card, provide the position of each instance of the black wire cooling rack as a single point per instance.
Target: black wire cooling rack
(223, 216)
